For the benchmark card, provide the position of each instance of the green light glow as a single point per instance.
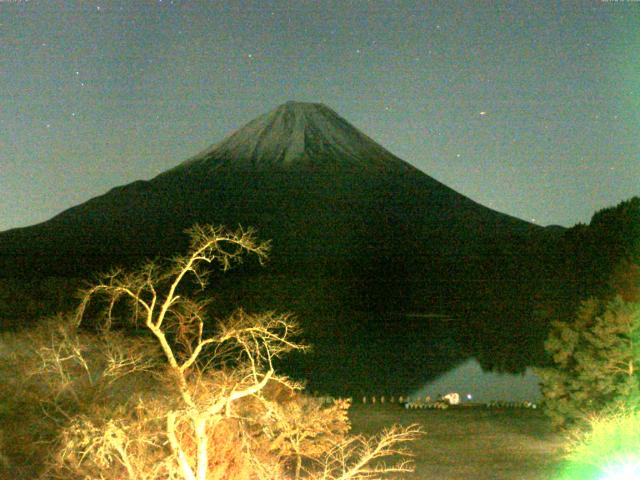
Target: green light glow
(610, 450)
(626, 470)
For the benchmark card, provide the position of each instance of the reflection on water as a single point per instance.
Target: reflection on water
(475, 385)
(398, 354)
(393, 355)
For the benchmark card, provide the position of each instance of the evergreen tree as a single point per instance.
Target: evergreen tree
(595, 352)
(596, 358)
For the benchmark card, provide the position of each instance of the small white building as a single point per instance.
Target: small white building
(474, 385)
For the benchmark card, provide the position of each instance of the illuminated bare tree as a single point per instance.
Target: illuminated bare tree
(362, 458)
(177, 322)
(211, 383)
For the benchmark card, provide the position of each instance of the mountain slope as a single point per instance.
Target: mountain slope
(360, 240)
(301, 162)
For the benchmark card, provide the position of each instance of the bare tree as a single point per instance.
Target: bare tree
(177, 322)
(361, 458)
(172, 434)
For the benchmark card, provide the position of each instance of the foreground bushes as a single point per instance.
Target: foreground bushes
(180, 400)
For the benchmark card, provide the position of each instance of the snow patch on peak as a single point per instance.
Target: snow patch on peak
(300, 106)
(298, 135)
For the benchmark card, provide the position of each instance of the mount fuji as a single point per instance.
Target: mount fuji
(299, 136)
(367, 249)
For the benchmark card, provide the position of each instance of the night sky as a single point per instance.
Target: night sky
(530, 108)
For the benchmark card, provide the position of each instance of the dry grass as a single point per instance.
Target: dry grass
(472, 443)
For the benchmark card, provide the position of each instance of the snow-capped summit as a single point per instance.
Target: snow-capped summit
(298, 135)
